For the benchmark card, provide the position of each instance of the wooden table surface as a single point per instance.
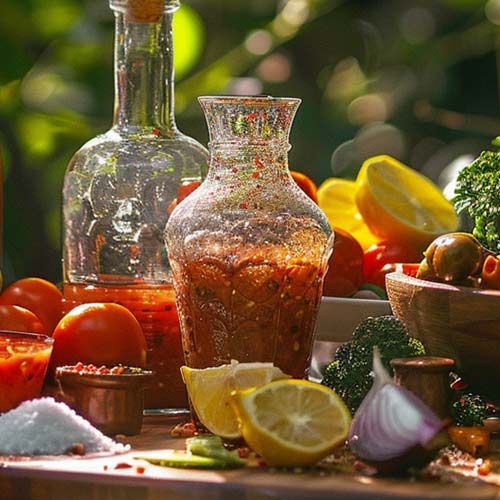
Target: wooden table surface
(97, 478)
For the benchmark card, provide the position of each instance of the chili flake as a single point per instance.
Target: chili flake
(123, 465)
(259, 163)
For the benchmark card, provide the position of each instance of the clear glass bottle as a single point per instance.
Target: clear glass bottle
(248, 248)
(120, 187)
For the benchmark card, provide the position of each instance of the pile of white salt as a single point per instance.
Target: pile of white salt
(46, 427)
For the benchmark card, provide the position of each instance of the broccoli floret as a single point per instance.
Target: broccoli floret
(349, 374)
(477, 193)
(369, 331)
(415, 347)
(469, 410)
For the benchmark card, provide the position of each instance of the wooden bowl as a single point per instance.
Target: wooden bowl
(456, 322)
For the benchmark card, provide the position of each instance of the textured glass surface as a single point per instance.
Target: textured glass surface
(117, 194)
(248, 248)
(120, 188)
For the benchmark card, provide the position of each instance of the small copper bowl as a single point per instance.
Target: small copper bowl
(114, 403)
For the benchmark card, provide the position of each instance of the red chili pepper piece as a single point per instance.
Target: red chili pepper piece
(458, 385)
(490, 274)
(123, 465)
(485, 468)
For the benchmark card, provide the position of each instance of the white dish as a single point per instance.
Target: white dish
(337, 319)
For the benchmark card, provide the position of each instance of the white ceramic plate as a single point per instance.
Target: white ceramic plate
(337, 319)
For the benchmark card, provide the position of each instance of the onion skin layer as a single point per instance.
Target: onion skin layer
(392, 429)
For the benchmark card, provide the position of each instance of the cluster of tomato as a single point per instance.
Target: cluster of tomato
(350, 266)
(99, 333)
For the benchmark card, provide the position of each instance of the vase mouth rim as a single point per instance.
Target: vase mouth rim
(263, 100)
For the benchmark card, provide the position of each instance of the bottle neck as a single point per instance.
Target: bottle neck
(253, 163)
(144, 74)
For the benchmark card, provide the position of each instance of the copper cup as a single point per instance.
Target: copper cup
(114, 403)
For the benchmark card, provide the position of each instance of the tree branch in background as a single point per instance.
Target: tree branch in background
(453, 120)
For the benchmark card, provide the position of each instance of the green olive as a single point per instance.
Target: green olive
(424, 272)
(453, 257)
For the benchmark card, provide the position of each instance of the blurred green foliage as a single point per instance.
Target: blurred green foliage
(417, 80)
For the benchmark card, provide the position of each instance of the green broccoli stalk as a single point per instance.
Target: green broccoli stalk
(477, 193)
(469, 410)
(349, 374)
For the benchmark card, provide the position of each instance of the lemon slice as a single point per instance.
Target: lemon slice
(292, 422)
(209, 390)
(401, 205)
(336, 197)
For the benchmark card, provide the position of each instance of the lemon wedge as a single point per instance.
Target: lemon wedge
(292, 422)
(336, 197)
(209, 390)
(401, 205)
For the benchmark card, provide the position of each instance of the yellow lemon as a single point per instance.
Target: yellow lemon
(336, 197)
(292, 422)
(401, 205)
(209, 390)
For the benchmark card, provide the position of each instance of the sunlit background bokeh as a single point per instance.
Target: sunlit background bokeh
(417, 80)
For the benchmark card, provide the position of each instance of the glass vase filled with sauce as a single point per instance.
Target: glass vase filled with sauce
(120, 188)
(248, 248)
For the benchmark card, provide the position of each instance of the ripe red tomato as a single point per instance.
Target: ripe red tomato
(19, 319)
(345, 267)
(306, 184)
(100, 334)
(39, 296)
(184, 191)
(381, 258)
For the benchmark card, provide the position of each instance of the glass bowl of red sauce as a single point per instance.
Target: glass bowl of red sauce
(24, 358)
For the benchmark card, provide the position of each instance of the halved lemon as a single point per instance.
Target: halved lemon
(401, 205)
(209, 390)
(336, 197)
(292, 422)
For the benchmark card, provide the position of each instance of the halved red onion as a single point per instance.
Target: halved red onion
(391, 420)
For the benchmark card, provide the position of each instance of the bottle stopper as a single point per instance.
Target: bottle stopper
(144, 11)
